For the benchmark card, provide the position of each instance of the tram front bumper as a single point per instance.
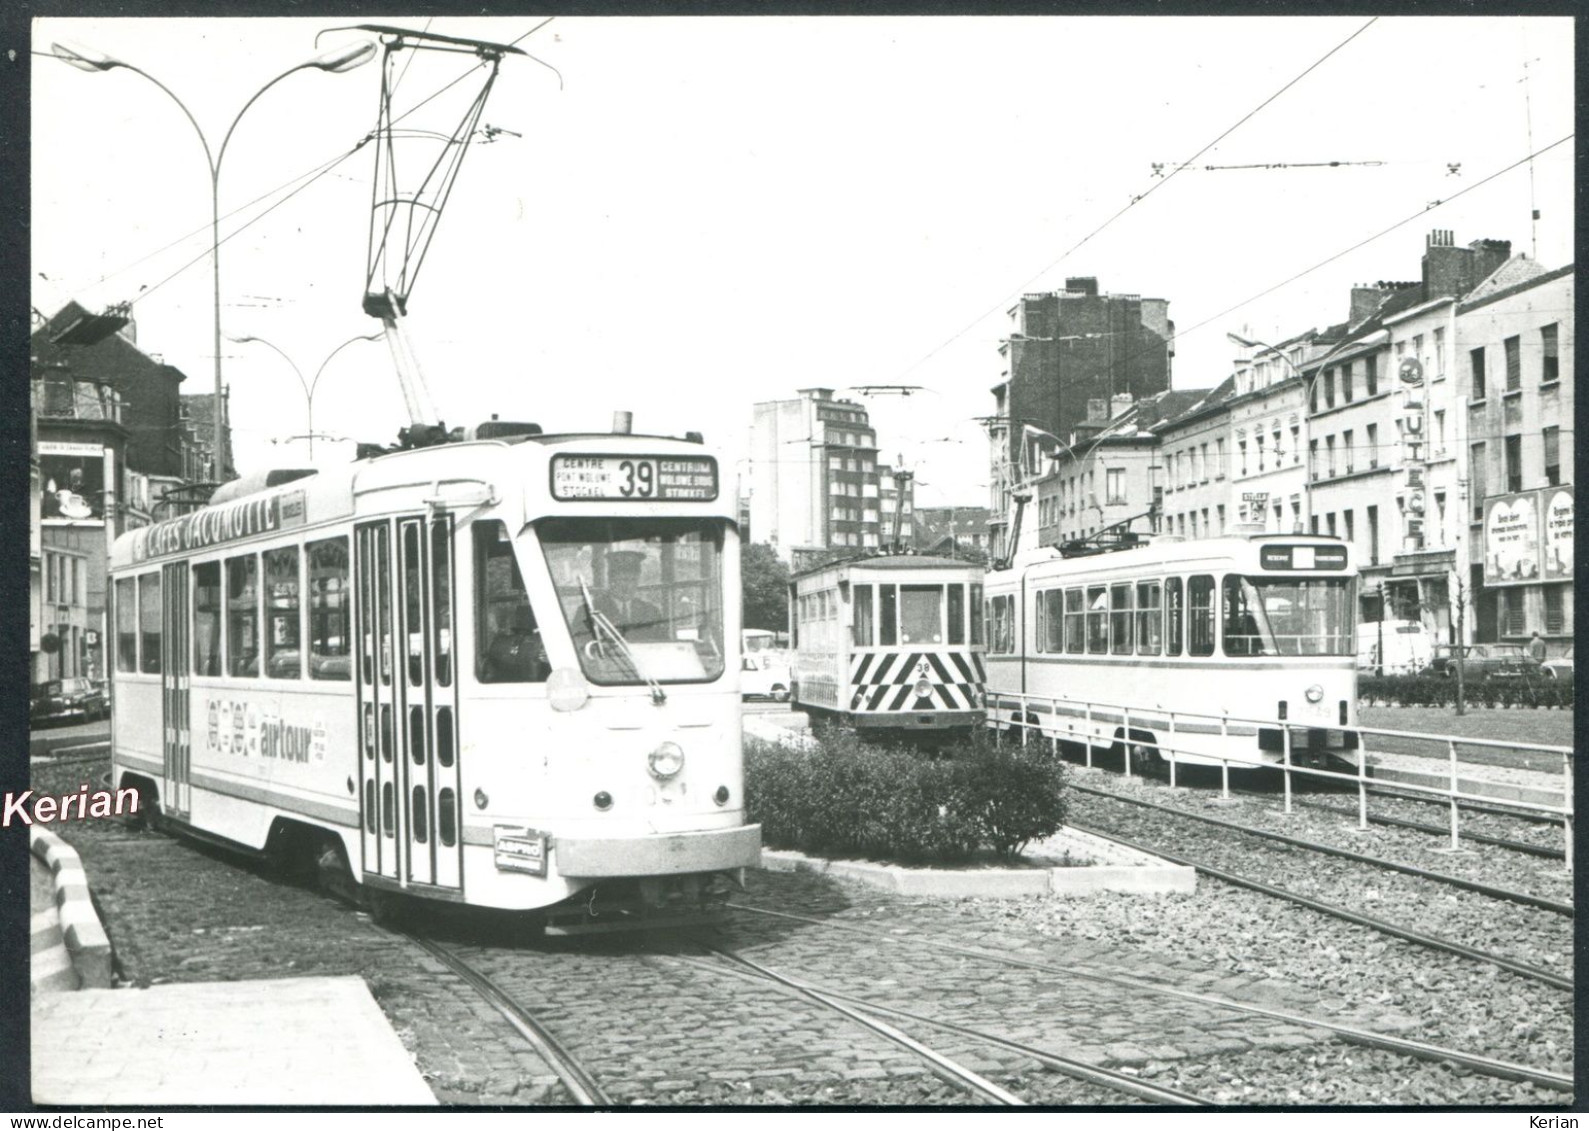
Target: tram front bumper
(706, 850)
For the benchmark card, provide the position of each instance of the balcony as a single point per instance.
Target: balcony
(79, 400)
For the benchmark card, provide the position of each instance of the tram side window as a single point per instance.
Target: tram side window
(976, 613)
(957, 614)
(207, 618)
(1054, 617)
(1200, 624)
(508, 646)
(1150, 622)
(1242, 634)
(283, 656)
(1174, 615)
(1120, 618)
(888, 599)
(1075, 620)
(126, 626)
(149, 623)
(242, 616)
(1002, 622)
(1097, 618)
(861, 601)
(330, 634)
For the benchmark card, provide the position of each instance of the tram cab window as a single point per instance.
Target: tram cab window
(508, 645)
(1097, 618)
(921, 614)
(330, 633)
(283, 656)
(957, 614)
(1200, 622)
(1075, 620)
(126, 626)
(861, 611)
(1150, 623)
(242, 616)
(976, 613)
(643, 597)
(1174, 616)
(1243, 634)
(207, 619)
(1289, 616)
(149, 623)
(1120, 619)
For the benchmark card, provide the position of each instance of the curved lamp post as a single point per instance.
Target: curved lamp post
(1307, 403)
(310, 386)
(336, 61)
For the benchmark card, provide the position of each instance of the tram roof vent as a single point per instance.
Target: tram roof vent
(257, 482)
(495, 429)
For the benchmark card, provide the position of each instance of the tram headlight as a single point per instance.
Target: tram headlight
(665, 761)
(923, 688)
(1315, 693)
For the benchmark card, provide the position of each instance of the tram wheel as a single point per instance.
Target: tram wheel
(334, 875)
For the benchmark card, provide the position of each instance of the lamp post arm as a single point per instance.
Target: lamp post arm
(209, 157)
(221, 156)
(315, 383)
(294, 365)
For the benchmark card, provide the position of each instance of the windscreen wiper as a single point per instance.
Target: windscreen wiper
(601, 624)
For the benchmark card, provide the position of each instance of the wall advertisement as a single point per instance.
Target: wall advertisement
(1528, 537)
(72, 483)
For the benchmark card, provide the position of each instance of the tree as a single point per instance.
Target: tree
(764, 585)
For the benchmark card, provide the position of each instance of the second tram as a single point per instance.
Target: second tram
(1213, 648)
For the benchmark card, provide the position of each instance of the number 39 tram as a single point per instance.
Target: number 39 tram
(501, 671)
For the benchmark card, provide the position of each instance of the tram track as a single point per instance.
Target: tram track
(1389, 821)
(1523, 898)
(1403, 1046)
(857, 1009)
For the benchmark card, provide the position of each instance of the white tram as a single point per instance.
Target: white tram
(1213, 648)
(891, 642)
(500, 672)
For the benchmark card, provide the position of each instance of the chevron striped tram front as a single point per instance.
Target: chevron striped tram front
(902, 683)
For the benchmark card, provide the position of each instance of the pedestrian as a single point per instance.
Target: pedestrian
(1536, 649)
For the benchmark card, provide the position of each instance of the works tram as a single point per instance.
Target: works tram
(1234, 648)
(890, 642)
(501, 672)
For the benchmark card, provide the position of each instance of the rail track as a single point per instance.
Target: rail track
(582, 1085)
(1525, 847)
(1489, 890)
(857, 1010)
(1472, 1062)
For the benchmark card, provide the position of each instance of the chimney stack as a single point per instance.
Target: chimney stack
(1119, 403)
(1082, 284)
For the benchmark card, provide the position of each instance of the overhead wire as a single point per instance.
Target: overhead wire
(1158, 183)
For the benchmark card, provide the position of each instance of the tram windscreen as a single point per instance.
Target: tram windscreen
(1270, 616)
(657, 582)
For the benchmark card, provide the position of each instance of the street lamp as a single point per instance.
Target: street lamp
(1307, 401)
(309, 387)
(336, 61)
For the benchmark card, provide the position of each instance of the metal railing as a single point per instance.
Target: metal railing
(1168, 746)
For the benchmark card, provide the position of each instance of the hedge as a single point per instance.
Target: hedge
(848, 797)
(1441, 691)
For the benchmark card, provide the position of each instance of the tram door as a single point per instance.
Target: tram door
(176, 729)
(408, 701)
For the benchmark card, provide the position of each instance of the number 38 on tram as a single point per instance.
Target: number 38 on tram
(501, 671)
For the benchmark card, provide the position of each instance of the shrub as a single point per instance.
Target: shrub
(1441, 691)
(846, 796)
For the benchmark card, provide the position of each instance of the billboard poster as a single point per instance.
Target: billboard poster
(71, 484)
(1511, 539)
(1556, 507)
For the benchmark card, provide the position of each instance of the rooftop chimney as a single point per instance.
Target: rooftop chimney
(1082, 284)
(1097, 410)
(1119, 403)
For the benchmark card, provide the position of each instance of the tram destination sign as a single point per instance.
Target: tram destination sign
(1302, 557)
(627, 478)
(212, 526)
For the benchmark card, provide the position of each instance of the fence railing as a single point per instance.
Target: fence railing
(1166, 744)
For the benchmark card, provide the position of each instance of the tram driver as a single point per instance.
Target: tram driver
(638, 620)
(516, 653)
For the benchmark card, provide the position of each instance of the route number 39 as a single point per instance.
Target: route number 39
(639, 479)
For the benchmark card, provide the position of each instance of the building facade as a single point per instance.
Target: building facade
(816, 483)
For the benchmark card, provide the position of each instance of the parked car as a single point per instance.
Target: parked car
(764, 676)
(1483, 661)
(77, 699)
(1560, 667)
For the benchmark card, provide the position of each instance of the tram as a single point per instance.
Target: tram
(890, 642)
(501, 671)
(1214, 648)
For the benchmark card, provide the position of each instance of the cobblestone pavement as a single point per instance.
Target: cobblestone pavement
(657, 1030)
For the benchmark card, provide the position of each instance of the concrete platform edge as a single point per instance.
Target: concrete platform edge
(86, 940)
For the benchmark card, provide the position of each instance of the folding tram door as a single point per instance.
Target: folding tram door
(408, 702)
(176, 744)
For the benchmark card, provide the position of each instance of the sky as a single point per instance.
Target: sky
(680, 217)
